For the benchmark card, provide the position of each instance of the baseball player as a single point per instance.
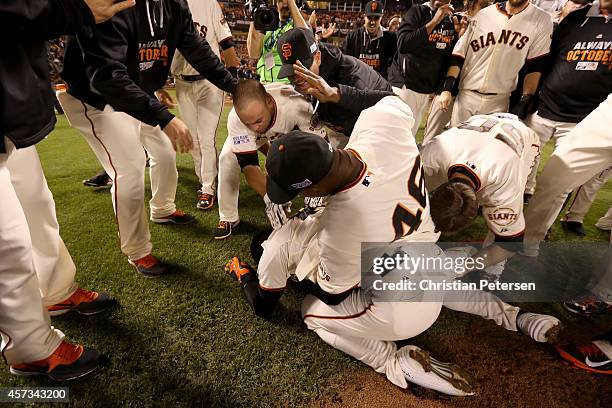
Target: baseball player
(111, 76)
(483, 162)
(36, 269)
(377, 195)
(199, 101)
(578, 57)
(370, 43)
(260, 113)
(500, 39)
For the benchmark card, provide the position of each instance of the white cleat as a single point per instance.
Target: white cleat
(421, 369)
(540, 327)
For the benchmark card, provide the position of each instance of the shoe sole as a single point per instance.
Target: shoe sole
(145, 274)
(82, 313)
(451, 373)
(39, 374)
(571, 361)
(96, 185)
(158, 221)
(208, 207)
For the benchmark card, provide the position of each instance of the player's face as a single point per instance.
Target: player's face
(606, 5)
(257, 116)
(283, 9)
(372, 24)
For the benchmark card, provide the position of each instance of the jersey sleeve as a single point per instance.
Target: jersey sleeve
(541, 44)
(433, 168)
(463, 44)
(243, 141)
(222, 29)
(506, 221)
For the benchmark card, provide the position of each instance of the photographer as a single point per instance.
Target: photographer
(262, 45)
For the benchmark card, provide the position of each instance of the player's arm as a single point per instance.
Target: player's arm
(262, 300)
(254, 42)
(347, 44)
(37, 20)
(507, 223)
(225, 39)
(454, 69)
(198, 53)
(298, 20)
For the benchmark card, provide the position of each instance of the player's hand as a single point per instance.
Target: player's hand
(318, 87)
(460, 25)
(237, 269)
(102, 10)
(312, 20)
(441, 12)
(329, 31)
(179, 135)
(277, 213)
(445, 100)
(165, 98)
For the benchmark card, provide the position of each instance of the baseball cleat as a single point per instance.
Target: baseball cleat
(587, 305)
(224, 229)
(205, 201)
(178, 217)
(68, 361)
(99, 180)
(85, 302)
(573, 227)
(149, 266)
(586, 356)
(603, 224)
(421, 369)
(540, 327)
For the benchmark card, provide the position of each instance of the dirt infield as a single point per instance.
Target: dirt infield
(510, 369)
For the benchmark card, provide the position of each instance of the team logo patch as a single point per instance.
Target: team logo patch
(587, 66)
(323, 273)
(503, 216)
(302, 184)
(287, 50)
(374, 6)
(241, 139)
(367, 180)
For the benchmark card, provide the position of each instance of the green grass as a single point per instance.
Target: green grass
(189, 338)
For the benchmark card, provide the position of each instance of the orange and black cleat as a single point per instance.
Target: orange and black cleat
(238, 270)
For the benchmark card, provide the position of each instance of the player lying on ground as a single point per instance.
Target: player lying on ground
(260, 113)
(377, 194)
(485, 161)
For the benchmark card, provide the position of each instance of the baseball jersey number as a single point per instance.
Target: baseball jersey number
(405, 222)
(511, 136)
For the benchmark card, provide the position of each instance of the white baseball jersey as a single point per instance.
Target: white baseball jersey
(496, 46)
(496, 152)
(292, 110)
(210, 23)
(386, 202)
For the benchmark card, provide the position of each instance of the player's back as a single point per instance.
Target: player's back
(386, 202)
(492, 150)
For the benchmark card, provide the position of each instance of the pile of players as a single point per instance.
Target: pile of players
(338, 133)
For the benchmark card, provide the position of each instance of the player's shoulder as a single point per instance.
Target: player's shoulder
(281, 91)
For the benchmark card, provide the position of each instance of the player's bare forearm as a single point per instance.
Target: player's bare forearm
(254, 42)
(493, 254)
(230, 58)
(298, 20)
(530, 83)
(453, 71)
(255, 179)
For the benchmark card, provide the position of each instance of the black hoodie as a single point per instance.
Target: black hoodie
(123, 61)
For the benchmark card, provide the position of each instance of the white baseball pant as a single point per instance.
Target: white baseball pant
(469, 103)
(201, 105)
(605, 222)
(585, 195)
(437, 119)
(545, 129)
(366, 329)
(117, 140)
(229, 183)
(584, 153)
(30, 245)
(418, 103)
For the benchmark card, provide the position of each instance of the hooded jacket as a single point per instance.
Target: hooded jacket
(123, 61)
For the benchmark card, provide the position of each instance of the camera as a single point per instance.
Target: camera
(265, 18)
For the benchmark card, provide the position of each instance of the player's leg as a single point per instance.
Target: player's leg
(229, 187)
(418, 103)
(164, 176)
(494, 103)
(585, 195)
(467, 103)
(187, 104)
(544, 129)
(605, 222)
(586, 151)
(437, 119)
(114, 138)
(26, 332)
(209, 109)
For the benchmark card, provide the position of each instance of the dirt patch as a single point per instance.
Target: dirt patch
(510, 370)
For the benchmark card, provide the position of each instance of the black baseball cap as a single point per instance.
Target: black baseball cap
(295, 44)
(374, 8)
(295, 161)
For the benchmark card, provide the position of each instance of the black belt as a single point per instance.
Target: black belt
(484, 93)
(191, 78)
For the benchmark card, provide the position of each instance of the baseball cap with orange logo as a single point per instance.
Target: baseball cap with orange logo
(374, 8)
(296, 44)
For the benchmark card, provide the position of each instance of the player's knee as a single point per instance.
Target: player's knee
(307, 307)
(453, 206)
